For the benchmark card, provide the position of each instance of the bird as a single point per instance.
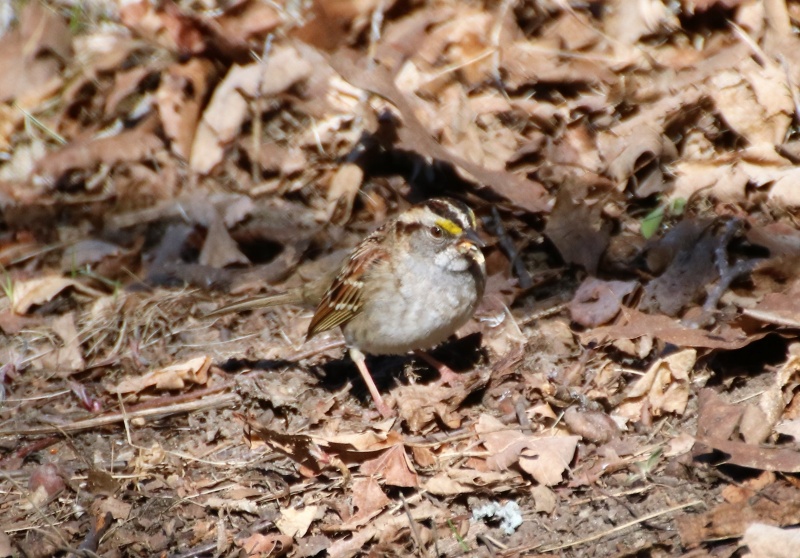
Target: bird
(407, 286)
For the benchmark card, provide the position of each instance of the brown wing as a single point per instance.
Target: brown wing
(344, 298)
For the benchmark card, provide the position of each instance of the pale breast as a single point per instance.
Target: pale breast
(426, 306)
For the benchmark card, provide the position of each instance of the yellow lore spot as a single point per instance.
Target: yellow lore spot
(449, 226)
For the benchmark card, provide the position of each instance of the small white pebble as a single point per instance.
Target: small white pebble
(509, 514)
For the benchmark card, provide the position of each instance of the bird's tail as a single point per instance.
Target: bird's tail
(266, 301)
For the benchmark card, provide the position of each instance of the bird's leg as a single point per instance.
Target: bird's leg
(449, 377)
(358, 358)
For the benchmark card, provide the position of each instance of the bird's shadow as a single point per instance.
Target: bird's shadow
(460, 355)
(234, 365)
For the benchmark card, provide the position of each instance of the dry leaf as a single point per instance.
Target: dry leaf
(383, 524)
(36, 292)
(368, 501)
(523, 192)
(782, 460)
(127, 84)
(682, 258)
(527, 62)
(163, 25)
(367, 441)
(720, 177)
(597, 302)
(634, 324)
(295, 522)
(259, 546)
(45, 481)
(118, 509)
(755, 100)
(250, 20)
(179, 101)
(219, 249)
(419, 405)
(70, 355)
(342, 192)
(89, 251)
(545, 458)
(768, 541)
(312, 546)
(789, 428)
(628, 22)
(578, 230)
(544, 498)
(129, 145)
(716, 418)
(393, 466)
(29, 56)
(754, 426)
(467, 481)
(176, 376)
(423, 456)
(778, 504)
(299, 447)
(6, 548)
(229, 105)
(665, 387)
(781, 309)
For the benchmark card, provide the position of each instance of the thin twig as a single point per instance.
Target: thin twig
(220, 400)
(314, 350)
(414, 530)
(509, 249)
(546, 313)
(375, 27)
(201, 550)
(495, 542)
(495, 37)
(257, 108)
(50, 132)
(605, 496)
(484, 540)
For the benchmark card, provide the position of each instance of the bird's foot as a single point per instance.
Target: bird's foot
(446, 374)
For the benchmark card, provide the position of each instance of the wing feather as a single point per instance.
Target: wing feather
(345, 298)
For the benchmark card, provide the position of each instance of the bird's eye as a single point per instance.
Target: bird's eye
(436, 232)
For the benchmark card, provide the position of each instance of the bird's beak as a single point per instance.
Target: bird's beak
(472, 237)
(470, 242)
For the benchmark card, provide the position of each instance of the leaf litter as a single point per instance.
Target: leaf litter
(159, 160)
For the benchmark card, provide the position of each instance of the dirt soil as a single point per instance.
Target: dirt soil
(629, 385)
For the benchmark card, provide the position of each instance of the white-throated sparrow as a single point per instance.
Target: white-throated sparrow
(406, 287)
